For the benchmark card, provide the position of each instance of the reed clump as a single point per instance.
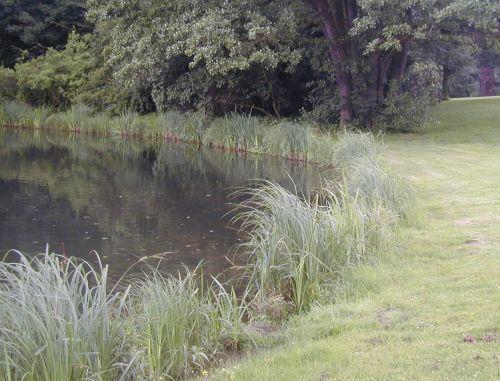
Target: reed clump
(61, 321)
(299, 246)
(180, 324)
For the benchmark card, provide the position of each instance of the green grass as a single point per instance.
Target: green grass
(406, 316)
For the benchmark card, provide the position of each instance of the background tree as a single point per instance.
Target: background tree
(28, 28)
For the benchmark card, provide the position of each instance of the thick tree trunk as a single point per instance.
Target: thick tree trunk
(344, 83)
(444, 83)
(398, 65)
(335, 28)
(486, 81)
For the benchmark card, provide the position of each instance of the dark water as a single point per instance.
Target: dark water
(126, 199)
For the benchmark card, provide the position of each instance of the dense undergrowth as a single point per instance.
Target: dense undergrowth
(60, 320)
(297, 141)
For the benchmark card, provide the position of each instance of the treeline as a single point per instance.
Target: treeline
(367, 63)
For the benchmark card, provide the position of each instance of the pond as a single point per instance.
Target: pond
(127, 199)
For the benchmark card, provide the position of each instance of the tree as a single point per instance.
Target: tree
(488, 58)
(206, 52)
(201, 53)
(28, 28)
(369, 40)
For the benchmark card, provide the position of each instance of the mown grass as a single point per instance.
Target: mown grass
(429, 311)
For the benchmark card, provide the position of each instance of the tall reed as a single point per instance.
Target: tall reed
(298, 245)
(180, 323)
(59, 321)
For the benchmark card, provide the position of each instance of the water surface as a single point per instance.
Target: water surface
(126, 199)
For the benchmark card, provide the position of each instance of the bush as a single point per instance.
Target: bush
(8, 84)
(56, 78)
(408, 108)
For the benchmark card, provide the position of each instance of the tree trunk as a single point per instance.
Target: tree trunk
(444, 84)
(335, 29)
(487, 81)
(398, 66)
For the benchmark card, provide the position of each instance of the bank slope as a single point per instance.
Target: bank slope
(432, 310)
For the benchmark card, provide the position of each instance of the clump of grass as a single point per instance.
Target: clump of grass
(14, 113)
(297, 246)
(171, 125)
(98, 124)
(127, 124)
(59, 321)
(352, 147)
(188, 127)
(180, 325)
(239, 132)
(74, 119)
(356, 157)
(289, 139)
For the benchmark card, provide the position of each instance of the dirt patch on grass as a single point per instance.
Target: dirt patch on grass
(389, 316)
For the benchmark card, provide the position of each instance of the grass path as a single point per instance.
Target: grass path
(432, 310)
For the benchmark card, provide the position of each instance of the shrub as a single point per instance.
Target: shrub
(8, 84)
(408, 108)
(56, 78)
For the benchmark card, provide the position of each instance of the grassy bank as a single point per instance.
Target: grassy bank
(431, 310)
(287, 139)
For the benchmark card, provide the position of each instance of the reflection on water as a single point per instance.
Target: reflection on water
(126, 199)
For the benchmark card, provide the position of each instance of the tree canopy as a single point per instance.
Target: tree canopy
(28, 28)
(366, 62)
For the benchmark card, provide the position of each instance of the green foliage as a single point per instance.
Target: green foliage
(410, 109)
(61, 321)
(8, 84)
(29, 28)
(56, 78)
(238, 132)
(181, 325)
(298, 246)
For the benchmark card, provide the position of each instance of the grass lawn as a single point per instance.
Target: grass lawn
(432, 309)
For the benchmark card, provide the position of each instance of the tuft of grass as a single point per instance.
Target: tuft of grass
(180, 325)
(14, 113)
(239, 132)
(59, 321)
(297, 247)
(356, 158)
(290, 140)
